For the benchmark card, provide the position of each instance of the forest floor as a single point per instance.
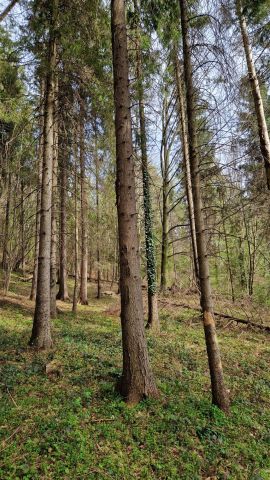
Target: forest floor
(70, 424)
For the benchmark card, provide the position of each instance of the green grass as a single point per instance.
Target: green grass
(73, 425)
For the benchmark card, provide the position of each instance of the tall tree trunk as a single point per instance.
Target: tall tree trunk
(257, 97)
(219, 392)
(76, 232)
(39, 187)
(41, 332)
(54, 203)
(97, 223)
(184, 139)
(165, 199)
(5, 257)
(84, 211)
(63, 288)
(153, 317)
(22, 232)
(137, 380)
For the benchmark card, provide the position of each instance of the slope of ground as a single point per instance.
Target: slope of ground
(70, 424)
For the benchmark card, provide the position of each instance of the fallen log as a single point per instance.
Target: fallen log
(223, 315)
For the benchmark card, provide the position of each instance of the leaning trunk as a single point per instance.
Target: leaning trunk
(184, 139)
(256, 92)
(219, 392)
(137, 381)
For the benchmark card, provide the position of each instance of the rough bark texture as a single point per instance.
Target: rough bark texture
(41, 332)
(255, 88)
(63, 288)
(84, 209)
(76, 234)
(39, 186)
(184, 138)
(219, 392)
(153, 317)
(53, 209)
(137, 379)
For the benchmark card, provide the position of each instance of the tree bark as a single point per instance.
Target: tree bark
(22, 231)
(256, 92)
(97, 223)
(185, 147)
(137, 381)
(76, 232)
(5, 257)
(165, 198)
(84, 211)
(219, 392)
(53, 308)
(41, 332)
(153, 317)
(39, 187)
(63, 288)
(6, 11)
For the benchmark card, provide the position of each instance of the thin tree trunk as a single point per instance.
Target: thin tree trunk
(5, 256)
(219, 392)
(54, 203)
(184, 138)
(76, 232)
(84, 211)
(22, 233)
(97, 224)
(41, 332)
(153, 317)
(137, 381)
(228, 257)
(6, 11)
(165, 198)
(63, 288)
(256, 92)
(39, 187)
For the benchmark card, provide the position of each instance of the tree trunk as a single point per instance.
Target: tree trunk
(54, 203)
(255, 88)
(41, 332)
(6, 11)
(5, 259)
(76, 233)
(39, 187)
(63, 288)
(153, 317)
(97, 223)
(165, 198)
(84, 211)
(184, 139)
(22, 232)
(137, 381)
(219, 392)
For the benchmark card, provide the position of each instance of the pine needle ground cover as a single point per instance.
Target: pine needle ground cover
(69, 423)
